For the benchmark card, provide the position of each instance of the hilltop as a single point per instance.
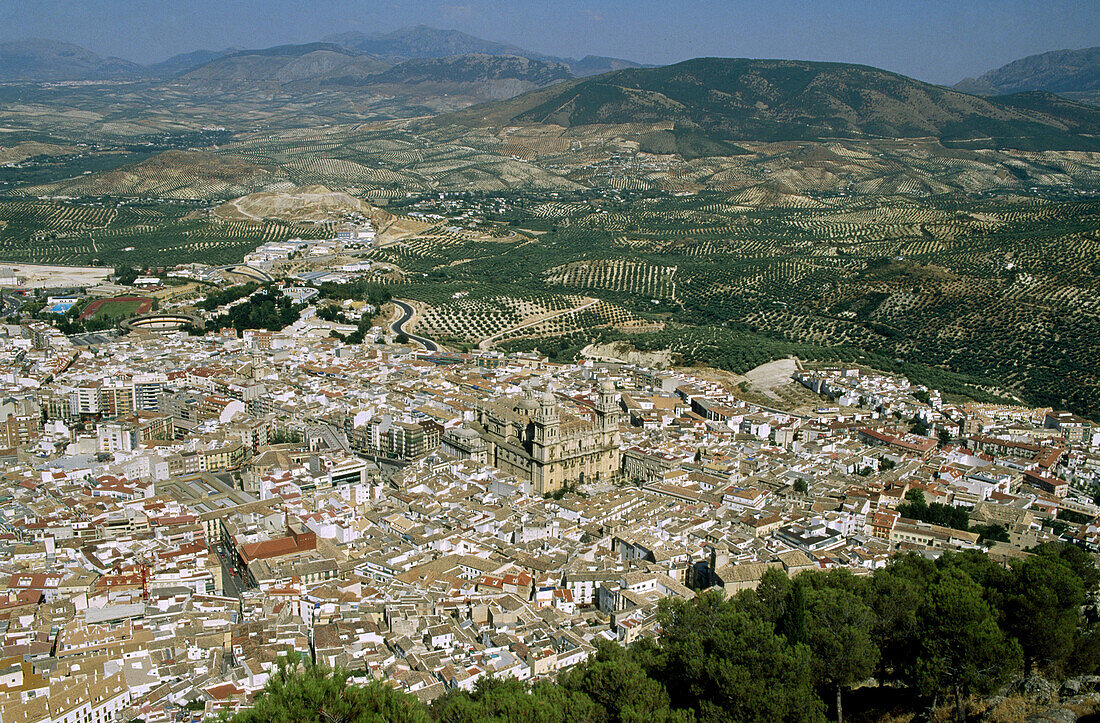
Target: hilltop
(788, 100)
(308, 204)
(173, 174)
(422, 41)
(182, 63)
(48, 60)
(1073, 73)
(283, 64)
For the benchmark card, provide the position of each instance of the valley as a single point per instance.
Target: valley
(911, 227)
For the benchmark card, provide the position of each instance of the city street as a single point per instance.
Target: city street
(232, 585)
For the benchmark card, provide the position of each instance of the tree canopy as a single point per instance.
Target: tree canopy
(302, 692)
(939, 629)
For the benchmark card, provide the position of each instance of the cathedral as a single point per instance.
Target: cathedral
(541, 441)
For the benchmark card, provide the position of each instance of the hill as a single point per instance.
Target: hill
(474, 68)
(422, 41)
(45, 60)
(463, 79)
(481, 76)
(173, 174)
(788, 100)
(284, 64)
(598, 64)
(184, 62)
(1074, 73)
(315, 204)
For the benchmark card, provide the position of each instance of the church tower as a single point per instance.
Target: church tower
(607, 427)
(547, 427)
(607, 408)
(545, 447)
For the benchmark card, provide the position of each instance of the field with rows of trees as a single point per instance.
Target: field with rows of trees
(978, 289)
(724, 231)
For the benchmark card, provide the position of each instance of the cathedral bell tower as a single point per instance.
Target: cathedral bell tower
(607, 408)
(547, 428)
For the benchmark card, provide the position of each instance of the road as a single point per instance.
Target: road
(487, 343)
(232, 585)
(397, 327)
(11, 303)
(254, 273)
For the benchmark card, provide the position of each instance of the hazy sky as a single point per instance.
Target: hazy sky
(940, 41)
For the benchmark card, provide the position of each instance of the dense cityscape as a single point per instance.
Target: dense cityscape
(600, 362)
(180, 510)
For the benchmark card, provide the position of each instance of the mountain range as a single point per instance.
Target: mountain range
(360, 59)
(327, 64)
(50, 60)
(362, 53)
(725, 99)
(1073, 73)
(706, 105)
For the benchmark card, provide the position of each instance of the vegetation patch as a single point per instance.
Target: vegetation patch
(117, 308)
(917, 635)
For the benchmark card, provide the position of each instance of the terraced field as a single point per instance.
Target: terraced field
(109, 232)
(1007, 289)
(978, 263)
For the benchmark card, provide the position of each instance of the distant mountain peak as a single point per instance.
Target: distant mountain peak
(731, 99)
(421, 41)
(425, 41)
(47, 60)
(1074, 73)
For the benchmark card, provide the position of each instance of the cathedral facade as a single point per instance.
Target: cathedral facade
(540, 441)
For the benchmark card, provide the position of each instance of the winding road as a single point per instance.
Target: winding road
(252, 272)
(11, 303)
(397, 327)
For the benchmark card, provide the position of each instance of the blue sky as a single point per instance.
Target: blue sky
(940, 41)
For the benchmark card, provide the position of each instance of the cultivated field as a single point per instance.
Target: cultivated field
(979, 268)
(110, 232)
(1004, 289)
(120, 307)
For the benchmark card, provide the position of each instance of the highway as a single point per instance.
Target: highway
(397, 327)
(253, 272)
(11, 303)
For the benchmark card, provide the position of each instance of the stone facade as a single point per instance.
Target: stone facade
(539, 440)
